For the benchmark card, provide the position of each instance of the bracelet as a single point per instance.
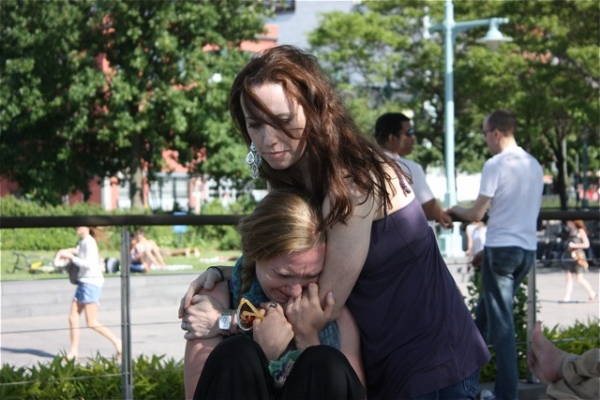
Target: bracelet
(220, 272)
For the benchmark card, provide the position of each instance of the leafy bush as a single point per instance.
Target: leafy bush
(220, 237)
(224, 237)
(99, 378)
(576, 339)
(49, 238)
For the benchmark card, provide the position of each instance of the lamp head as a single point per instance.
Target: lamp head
(494, 37)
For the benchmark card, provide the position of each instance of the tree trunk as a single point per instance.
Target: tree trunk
(135, 175)
(561, 184)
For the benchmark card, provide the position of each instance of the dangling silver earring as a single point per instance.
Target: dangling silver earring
(253, 160)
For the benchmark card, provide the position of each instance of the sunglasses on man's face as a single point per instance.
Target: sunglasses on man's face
(246, 314)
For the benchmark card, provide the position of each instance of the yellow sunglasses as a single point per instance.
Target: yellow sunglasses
(246, 314)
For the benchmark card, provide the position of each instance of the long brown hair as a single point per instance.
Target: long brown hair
(99, 234)
(285, 221)
(337, 149)
(580, 225)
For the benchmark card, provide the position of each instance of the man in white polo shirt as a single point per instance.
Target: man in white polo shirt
(394, 132)
(512, 184)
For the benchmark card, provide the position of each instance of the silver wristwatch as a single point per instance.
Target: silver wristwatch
(225, 322)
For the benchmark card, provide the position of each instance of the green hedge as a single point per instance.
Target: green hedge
(220, 237)
(49, 238)
(98, 378)
(157, 378)
(576, 339)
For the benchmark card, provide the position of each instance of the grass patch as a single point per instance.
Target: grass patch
(207, 258)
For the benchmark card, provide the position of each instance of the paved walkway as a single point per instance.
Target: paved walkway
(156, 330)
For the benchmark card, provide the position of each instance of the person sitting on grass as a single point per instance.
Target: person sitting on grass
(145, 253)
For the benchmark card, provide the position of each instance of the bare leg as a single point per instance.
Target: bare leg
(586, 285)
(91, 316)
(76, 309)
(158, 256)
(568, 287)
(198, 350)
(545, 359)
(196, 353)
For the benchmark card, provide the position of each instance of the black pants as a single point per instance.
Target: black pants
(238, 369)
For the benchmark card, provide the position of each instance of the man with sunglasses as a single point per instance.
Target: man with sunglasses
(512, 185)
(394, 132)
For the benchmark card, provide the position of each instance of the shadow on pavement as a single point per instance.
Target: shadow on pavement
(34, 352)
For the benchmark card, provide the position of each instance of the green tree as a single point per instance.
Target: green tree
(48, 83)
(559, 98)
(549, 75)
(93, 88)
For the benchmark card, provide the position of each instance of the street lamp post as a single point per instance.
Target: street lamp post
(451, 242)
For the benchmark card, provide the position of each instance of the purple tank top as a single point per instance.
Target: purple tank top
(417, 334)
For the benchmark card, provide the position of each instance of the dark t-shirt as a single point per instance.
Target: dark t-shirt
(417, 334)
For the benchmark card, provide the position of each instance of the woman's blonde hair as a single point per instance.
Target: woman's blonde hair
(285, 221)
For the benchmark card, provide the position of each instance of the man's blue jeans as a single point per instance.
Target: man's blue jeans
(463, 390)
(502, 271)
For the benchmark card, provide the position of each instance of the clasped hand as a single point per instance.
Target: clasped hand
(201, 311)
(299, 319)
(201, 317)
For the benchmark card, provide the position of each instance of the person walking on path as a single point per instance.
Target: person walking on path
(574, 260)
(89, 288)
(512, 183)
(394, 132)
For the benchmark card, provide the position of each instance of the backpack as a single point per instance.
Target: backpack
(111, 265)
(73, 271)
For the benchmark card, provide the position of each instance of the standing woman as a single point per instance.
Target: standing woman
(382, 260)
(574, 259)
(89, 288)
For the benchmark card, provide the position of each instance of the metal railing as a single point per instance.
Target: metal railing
(125, 221)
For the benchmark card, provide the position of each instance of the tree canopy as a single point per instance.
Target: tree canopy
(90, 89)
(548, 76)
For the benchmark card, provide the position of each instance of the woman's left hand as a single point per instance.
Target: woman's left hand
(307, 317)
(273, 333)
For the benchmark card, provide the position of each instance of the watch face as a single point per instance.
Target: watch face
(225, 322)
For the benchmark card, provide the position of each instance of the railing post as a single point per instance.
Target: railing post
(531, 315)
(126, 367)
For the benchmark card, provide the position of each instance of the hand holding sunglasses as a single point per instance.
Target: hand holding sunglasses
(246, 314)
(271, 329)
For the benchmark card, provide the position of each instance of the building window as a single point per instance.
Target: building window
(281, 6)
(169, 192)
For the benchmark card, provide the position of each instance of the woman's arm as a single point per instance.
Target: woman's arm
(350, 342)
(585, 241)
(347, 248)
(88, 255)
(206, 280)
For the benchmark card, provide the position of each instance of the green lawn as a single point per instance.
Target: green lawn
(207, 258)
